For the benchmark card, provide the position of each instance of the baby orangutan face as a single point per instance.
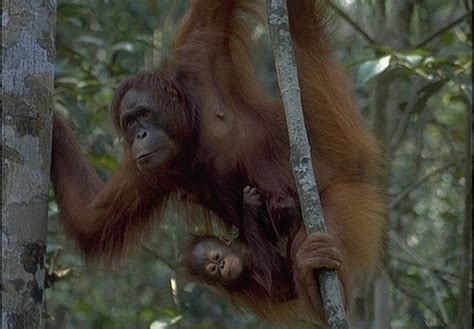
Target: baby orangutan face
(214, 261)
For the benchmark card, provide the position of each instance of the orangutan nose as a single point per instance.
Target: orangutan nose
(141, 134)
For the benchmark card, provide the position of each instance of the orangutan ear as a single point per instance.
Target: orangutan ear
(172, 93)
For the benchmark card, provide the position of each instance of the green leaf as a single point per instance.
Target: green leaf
(90, 39)
(125, 46)
(70, 10)
(371, 68)
(104, 162)
(427, 91)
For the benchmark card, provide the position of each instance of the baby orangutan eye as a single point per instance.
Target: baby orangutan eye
(214, 255)
(211, 268)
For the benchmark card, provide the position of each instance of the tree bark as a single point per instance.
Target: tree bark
(381, 299)
(464, 315)
(28, 30)
(300, 153)
(394, 27)
(379, 100)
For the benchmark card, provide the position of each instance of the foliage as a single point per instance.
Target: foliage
(99, 43)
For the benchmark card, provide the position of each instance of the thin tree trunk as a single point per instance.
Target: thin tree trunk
(385, 105)
(300, 154)
(27, 86)
(465, 293)
(379, 100)
(381, 298)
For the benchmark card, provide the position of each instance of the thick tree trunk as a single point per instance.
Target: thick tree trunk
(28, 29)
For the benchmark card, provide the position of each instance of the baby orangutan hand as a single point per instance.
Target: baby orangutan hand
(252, 198)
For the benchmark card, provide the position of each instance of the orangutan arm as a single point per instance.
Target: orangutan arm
(105, 219)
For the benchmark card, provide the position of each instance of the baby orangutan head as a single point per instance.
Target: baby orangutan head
(214, 261)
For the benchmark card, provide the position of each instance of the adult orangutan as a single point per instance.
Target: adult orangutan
(203, 128)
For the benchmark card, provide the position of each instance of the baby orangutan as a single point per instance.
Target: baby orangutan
(229, 268)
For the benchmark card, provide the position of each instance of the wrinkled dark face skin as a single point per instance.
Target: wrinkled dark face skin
(144, 133)
(217, 262)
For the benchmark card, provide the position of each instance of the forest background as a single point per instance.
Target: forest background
(410, 63)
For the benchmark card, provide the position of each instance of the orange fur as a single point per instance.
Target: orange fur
(346, 157)
(237, 136)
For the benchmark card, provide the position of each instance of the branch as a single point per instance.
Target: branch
(442, 30)
(467, 5)
(351, 22)
(402, 124)
(452, 149)
(300, 153)
(434, 286)
(442, 274)
(158, 257)
(414, 298)
(413, 187)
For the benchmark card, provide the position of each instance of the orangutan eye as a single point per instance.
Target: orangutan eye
(214, 255)
(144, 113)
(211, 268)
(129, 121)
